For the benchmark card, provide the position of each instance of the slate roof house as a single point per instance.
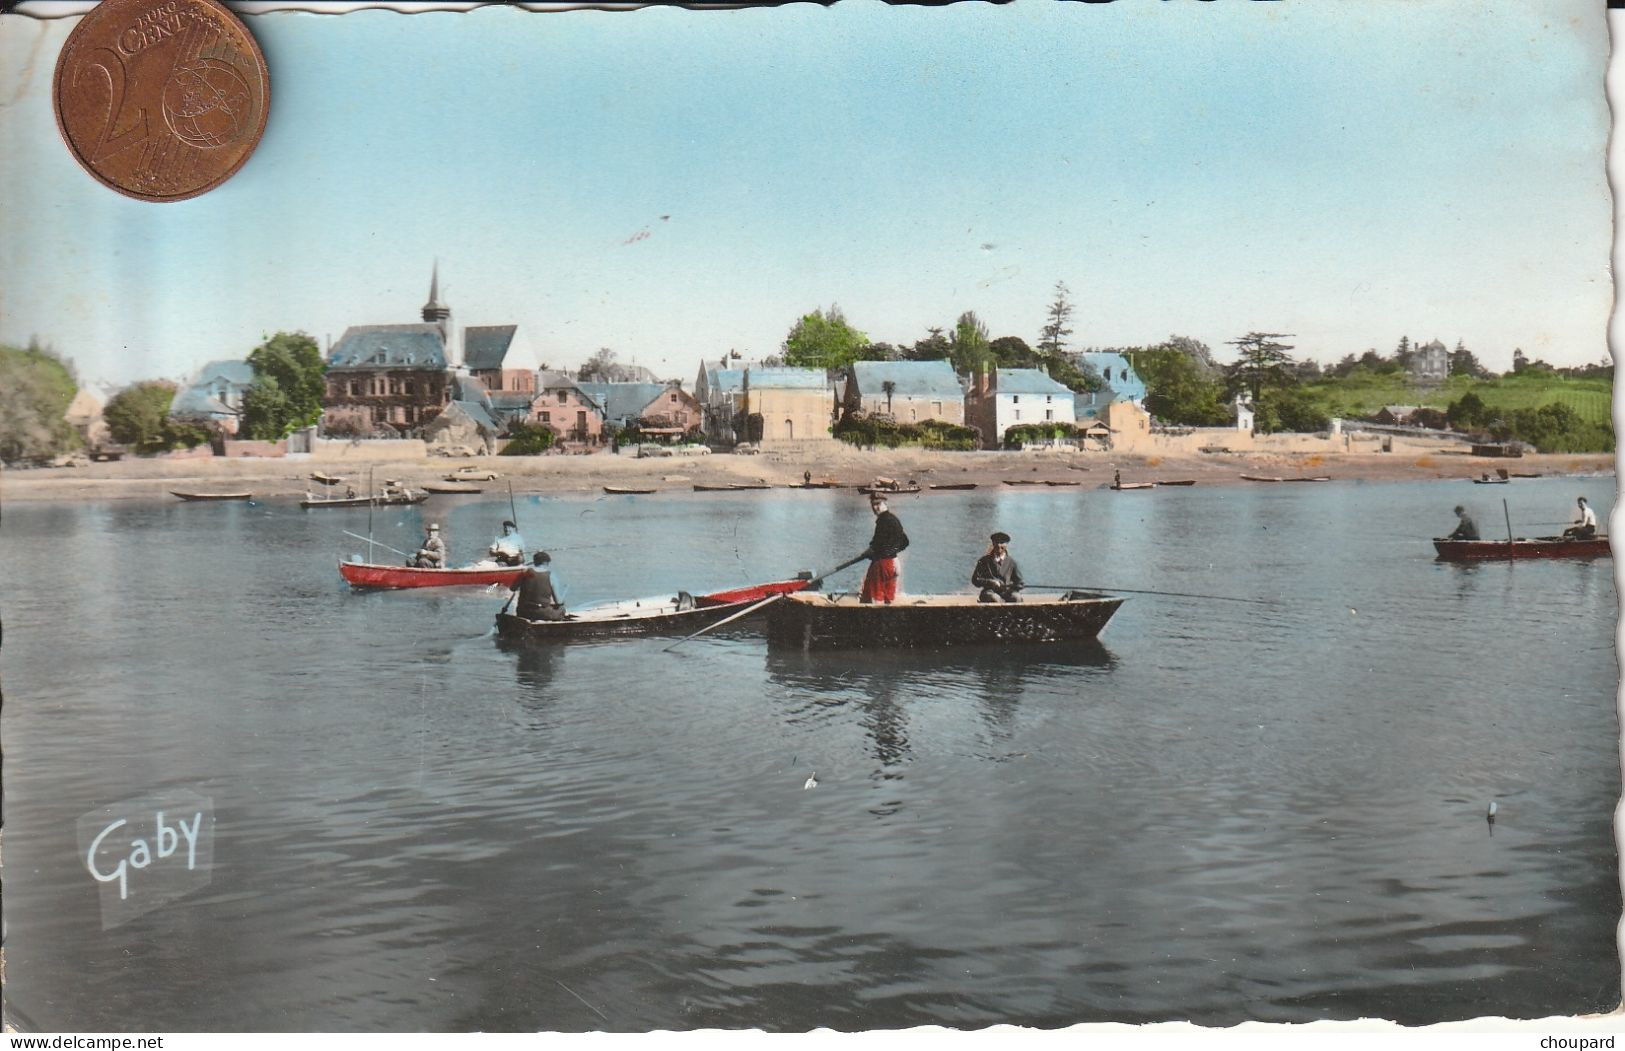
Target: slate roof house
(906, 391)
(622, 405)
(785, 404)
(719, 389)
(570, 412)
(1003, 398)
(1430, 363)
(215, 395)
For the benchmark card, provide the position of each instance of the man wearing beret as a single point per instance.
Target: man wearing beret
(996, 573)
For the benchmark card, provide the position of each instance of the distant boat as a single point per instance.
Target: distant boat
(619, 490)
(362, 501)
(1314, 478)
(1182, 481)
(1063, 483)
(956, 485)
(447, 488)
(1487, 480)
(1133, 485)
(886, 490)
(748, 485)
(326, 479)
(1260, 478)
(367, 575)
(1522, 547)
(1022, 481)
(211, 496)
(712, 488)
(809, 621)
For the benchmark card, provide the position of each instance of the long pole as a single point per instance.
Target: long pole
(370, 502)
(1505, 511)
(1142, 591)
(380, 543)
(753, 607)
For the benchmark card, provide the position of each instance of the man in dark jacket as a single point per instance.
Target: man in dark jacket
(1467, 530)
(996, 573)
(881, 582)
(537, 599)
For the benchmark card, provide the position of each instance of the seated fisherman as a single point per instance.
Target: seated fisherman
(509, 548)
(1466, 529)
(1586, 526)
(537, 598)
(432, 555)
(996, 573)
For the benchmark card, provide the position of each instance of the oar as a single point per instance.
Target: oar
(753, 607)
(819, 579)
(1141, 591)
(380, 543)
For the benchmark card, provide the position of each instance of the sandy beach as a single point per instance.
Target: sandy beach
(136, 478)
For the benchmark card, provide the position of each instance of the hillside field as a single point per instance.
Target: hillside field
(1593, 399)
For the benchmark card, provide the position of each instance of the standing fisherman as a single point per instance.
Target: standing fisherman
(881, 582)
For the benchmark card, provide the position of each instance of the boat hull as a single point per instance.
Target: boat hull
(361, 501)
(211, 496)
(368, 575)
(1538, 547)
(819, 622)
(752, 592)
(664, 618)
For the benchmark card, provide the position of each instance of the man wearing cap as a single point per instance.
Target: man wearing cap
(537, 598)
(432, 555)
(509, 548)
(1466, 529)
(1586, 526)
(881, 582)
(996, 573)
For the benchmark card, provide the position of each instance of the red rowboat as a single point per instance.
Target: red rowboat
(753, 592)
(365, 575)
(1523, 547)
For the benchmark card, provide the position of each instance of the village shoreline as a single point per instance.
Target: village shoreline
(288, 478)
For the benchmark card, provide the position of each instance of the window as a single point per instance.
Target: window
(1015, 399)
(1048, 398)
(936, 409)
(562, 396)
(547, 417)
(1106, 374)
(1049, 414)
(1018, 414)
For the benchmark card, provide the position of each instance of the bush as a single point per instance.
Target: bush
(528, 439)
(1022, 433)
(930, 434)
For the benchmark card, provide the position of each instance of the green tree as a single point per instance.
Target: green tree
(880, 352)
(1178, 390)
(35, 389)
(1464, 362)
(601, 368)
(1012, 352)
(1467, 411)
(1289, 409)
(934, 347)
(1262, 363)
(1196, 350)
(1057, 321)
(823, 340)
(287, 390)
(138, 415)
(970, 344)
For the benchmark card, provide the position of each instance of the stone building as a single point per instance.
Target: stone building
(905, 391)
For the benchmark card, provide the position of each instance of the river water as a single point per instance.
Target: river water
(1223, 811)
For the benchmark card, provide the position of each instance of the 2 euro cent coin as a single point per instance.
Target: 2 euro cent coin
(161, 99)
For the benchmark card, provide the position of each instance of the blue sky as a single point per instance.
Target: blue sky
(1349, 173)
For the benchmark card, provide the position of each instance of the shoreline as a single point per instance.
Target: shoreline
(288, 479)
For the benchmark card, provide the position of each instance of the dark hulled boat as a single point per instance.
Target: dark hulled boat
(1522, 547)
(811, 621)
(211, 496)
(681, 614)
(362, 501)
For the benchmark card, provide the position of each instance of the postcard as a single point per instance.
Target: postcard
(804, 518)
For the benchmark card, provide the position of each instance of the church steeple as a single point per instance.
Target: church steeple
(438, 314)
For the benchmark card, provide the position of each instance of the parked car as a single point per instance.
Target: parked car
(747, 449)
(653, 450)
(472, 474)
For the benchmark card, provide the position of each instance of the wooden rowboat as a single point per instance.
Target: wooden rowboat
(1133, 485)
(1182, 481)
(211, 496)
(810, 621)
(367, 575)
(883, 490)
(326, 479)
(1063, 483)
(748, 485)
(1022, 481)
(1522, 547)
(362, 501)
(712, 488)
(956, 486)
(681, 614)
(620, 490)
(450, 488)
(1260, 478)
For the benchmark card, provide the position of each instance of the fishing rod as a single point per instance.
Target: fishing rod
(380, 543)
(1142, 591)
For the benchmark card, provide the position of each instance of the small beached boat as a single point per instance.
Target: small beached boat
(809, 621)
(1063, 483)
(326, 479)
(748, 485)
(1120, 486)
(681, 614)
(1182, 481)
(1022, 481)
(885, 490)
(368, 575)
(362, 501)
(211, 496)
(1260, 478)
(450, 488)
(621, 490)
(712, 488)
(957, 486)
(1520, 548)
(1308, 478)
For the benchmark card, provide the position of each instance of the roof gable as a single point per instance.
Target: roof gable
(388, 347)
(909, 379)
(486, 346)
(780, 378)
(1028, 381)
(618, 401)
(231, 370)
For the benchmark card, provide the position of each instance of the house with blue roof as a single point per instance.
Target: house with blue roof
(905, 391)
(746, 401)
(1122, 382)
(214, 396)
(654, 408)
(1005, 398)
